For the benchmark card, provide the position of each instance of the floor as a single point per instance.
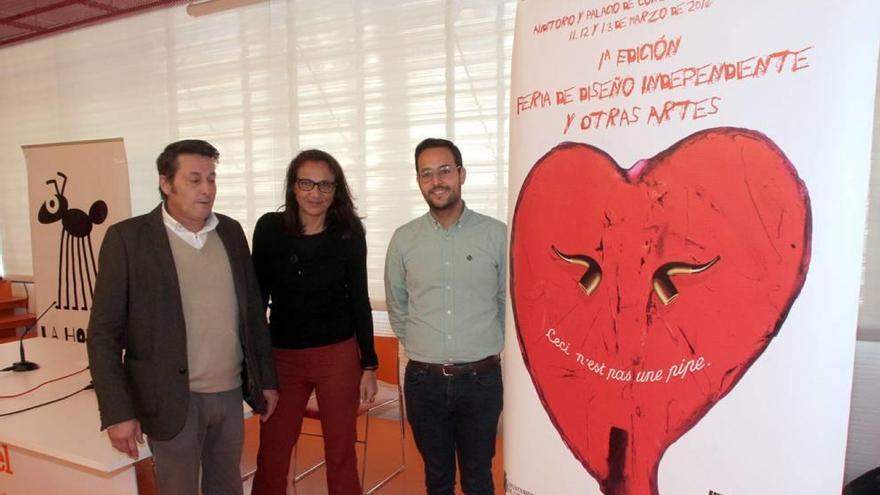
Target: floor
(383, 456)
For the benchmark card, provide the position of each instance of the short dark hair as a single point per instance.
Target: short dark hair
(167, 164)
(438, 143)
(341, 216)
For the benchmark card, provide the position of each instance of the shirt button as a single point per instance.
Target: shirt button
(448, 287)
(445, 262)
(182, 371)
(449, 311)
(449, 337)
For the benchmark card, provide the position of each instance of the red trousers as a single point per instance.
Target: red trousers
(334, 373)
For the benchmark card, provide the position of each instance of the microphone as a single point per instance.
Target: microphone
(24, 364)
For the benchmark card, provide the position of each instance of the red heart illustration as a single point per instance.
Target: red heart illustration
(642, 296)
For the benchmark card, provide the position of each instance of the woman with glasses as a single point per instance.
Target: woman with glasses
(311, 263)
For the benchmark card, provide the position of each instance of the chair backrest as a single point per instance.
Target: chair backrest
(389, 359)
(5, 289)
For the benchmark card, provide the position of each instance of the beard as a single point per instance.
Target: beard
(452, 199)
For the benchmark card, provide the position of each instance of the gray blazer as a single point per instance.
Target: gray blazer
(137, 308)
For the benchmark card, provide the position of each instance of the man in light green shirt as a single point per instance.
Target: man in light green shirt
(445, 288)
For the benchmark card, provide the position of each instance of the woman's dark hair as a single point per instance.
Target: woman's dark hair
(341, 216)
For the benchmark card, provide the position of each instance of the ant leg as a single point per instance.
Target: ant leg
(60, 265)
(67, 248)
(92, 258)
(74, 251)
(80, 253)
(74, 255)
(89, 267)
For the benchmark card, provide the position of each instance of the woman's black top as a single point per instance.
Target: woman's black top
(315, 287)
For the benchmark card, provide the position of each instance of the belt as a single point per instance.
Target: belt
(452, 369)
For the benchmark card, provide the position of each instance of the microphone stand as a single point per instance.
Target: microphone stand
(24, 364)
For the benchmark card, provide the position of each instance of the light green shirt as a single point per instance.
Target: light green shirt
(446, 289)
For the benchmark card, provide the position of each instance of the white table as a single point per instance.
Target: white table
(57, 448)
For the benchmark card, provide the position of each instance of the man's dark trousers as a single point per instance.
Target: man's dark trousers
(452, 415)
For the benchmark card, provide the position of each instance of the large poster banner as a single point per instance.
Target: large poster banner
(688, 196)
(76, 191)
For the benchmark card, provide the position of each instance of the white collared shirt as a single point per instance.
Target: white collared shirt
(194, 239)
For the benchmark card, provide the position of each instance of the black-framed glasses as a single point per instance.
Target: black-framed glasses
(442, 172)
(325, 186)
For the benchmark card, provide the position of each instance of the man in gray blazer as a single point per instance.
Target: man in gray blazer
(178, 335)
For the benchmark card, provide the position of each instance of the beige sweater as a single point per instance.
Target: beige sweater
(211, 314)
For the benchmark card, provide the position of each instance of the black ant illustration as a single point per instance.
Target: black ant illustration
(77, 264)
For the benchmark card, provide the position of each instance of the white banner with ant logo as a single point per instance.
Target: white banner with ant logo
(76, 191)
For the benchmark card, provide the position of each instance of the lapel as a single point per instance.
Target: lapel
(163, 259)
(227, 234)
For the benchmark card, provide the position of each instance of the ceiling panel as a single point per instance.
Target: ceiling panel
(22, 20)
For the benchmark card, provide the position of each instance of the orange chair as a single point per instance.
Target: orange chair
(13, 312)
(390, 395)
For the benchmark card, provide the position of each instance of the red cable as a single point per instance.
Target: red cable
(44, 383)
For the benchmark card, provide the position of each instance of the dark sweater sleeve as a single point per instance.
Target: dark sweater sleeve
(360, 301)
(108, 322)
(264, 236)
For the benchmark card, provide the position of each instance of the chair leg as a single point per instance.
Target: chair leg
(291, 475)
(402, 467)
(308, 471)
(366, 448)
(402, 432)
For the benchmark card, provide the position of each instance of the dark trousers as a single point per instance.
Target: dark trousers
(211, 438)
(334, 373)
(455, 416)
